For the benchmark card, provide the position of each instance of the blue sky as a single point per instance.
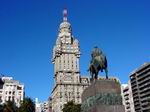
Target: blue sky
(29, 28)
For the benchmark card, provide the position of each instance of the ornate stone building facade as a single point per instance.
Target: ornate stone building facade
(69, 85)
(11, 90)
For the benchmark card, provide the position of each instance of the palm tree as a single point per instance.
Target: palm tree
(27, 105)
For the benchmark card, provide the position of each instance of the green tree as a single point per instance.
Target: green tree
(9, 106)
(27, 105)
(71, 107)
(1, 108)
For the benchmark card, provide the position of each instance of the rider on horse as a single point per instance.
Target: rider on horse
(98, 63)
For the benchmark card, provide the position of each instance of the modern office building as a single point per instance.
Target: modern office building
(140, 84)
(11, 90)
(127, 97)
(69, 85)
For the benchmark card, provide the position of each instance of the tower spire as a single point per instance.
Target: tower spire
(65, 14)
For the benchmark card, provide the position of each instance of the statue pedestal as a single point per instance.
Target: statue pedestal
(103, 95)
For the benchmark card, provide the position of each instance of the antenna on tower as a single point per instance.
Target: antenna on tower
(65, 14)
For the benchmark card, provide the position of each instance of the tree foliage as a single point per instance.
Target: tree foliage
(9, 106)
(27, 105)
(71, 107)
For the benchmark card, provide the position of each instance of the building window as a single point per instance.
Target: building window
(0, 99)
(9, 98)
(60, 94)
(59, 63)
(19, 88)
(13, 98)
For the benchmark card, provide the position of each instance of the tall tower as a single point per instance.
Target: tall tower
(66, 53)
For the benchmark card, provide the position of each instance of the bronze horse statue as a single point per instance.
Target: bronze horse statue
(98, 63)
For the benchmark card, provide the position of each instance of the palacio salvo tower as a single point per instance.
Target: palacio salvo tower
(69, 85)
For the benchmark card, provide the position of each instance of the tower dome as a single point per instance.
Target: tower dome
(65, 25)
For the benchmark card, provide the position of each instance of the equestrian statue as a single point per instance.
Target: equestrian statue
(97, 63)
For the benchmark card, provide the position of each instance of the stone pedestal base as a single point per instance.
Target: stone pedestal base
(104, 108)
(102, 96)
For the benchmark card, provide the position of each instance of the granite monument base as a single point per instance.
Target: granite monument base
(103, 95)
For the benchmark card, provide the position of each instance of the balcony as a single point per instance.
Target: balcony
(146, 84)
(144, 81)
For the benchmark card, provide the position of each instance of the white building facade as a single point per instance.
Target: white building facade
(66, 53)
(140, 84)
(127, 97)
(11, 90)
(42, 106)
(38, 106)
